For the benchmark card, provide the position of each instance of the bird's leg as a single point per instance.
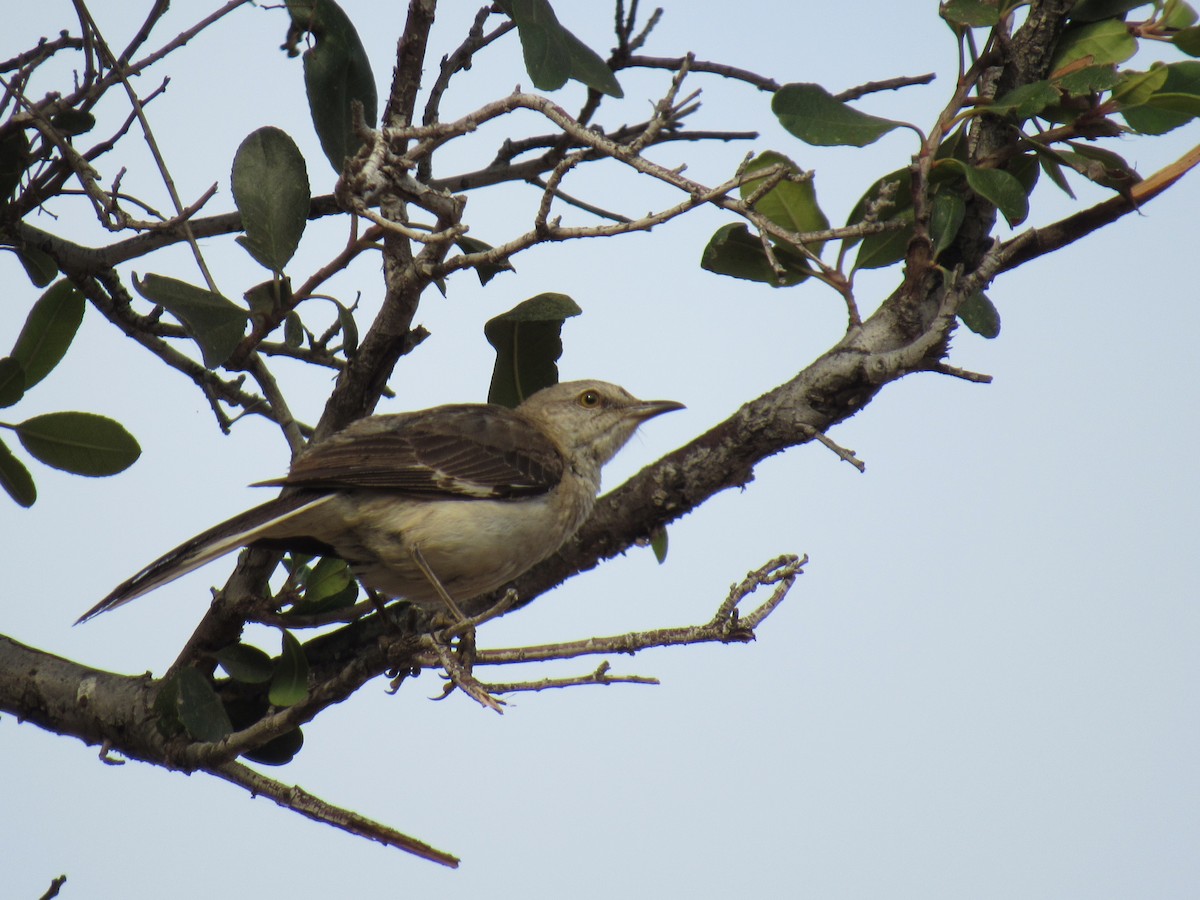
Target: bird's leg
(419, 558)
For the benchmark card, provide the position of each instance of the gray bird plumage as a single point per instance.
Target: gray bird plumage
(472, 494)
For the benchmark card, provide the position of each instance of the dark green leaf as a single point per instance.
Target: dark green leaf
(1052, 168)
(40, 267)
(48, 331)
(1088, 80)
(166, 707)
(896, 187)
(349, 331)
(14, 160)
(200, 708)
(336, 73)
(245, 663)
(588, 67)
(1026, 101)
(79, 442)
(887, 247)
(215, 323)
(269, 296)
(1094, 10)
(12, 381)
(734, 251)
(815, 116)
(15, 478)
(790, 204)
(547, 56)
(270, 188)
(1100, 43)
(293, 330)
(1100, 165)
(971, 13)
(1188, 40)
(949, 208)
(485, 271)
(553, 54)
(658, 543)
(528, 343)
(73, 121)
(278, 751)
(289, 685)
(999, 188)
(978, 314)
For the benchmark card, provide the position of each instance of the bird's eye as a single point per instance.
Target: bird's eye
(589, 399)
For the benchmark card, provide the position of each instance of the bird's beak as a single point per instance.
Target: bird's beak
(648, 409)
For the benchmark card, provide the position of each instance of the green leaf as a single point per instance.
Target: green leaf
(815, 116)
(293, 330)
(1178, 14)
(12, 381)
(289, 684)
(15, 478)
(734, 251)
(896, 186)
(946, 217)
(971, 13)
(553, 54)
(329, 577)
(215, 323)
(14, 160)
(999, 188)
(1094, 10)
(40, 267)
(1026, 101)
(485, 271)
(79, 442)
(1135, 88)
(278, 751)
(349, 331)
(1100, 165)
(887, 247)
(270, 189)
(1088, 80)
(1100, 43)
(73, 122)
(1188, 40)
(658, 543)
(528, 343)
(979, 315)
(336, 73)
(200, 708)
(245, 663)
(48, 331)
(790, 204)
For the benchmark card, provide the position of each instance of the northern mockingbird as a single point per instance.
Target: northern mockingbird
(455, 500)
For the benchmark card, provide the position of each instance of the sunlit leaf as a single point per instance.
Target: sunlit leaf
(971, 13)
(289, 684)
(1026, 101)
(1100, 43)
(789, 204)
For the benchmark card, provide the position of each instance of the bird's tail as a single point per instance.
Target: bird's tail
(217, 541)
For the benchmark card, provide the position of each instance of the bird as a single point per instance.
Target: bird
(436, 506)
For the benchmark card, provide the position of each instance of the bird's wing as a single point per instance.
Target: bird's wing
(467, 450)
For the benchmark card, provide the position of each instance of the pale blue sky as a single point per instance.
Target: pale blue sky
(984, 686)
